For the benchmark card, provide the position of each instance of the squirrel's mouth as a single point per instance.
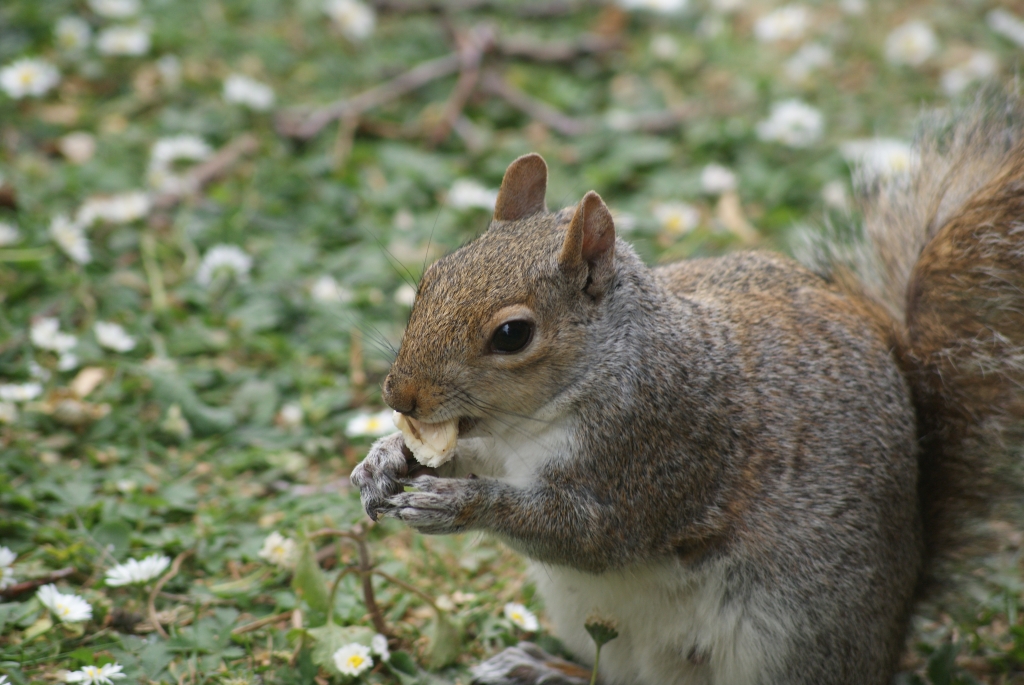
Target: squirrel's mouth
(466, 424)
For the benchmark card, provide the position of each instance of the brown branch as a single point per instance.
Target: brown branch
(29, 585)
(305, 125)
(527, 47)
(550, 8)
(494, 84)
(216, 166)
(406, 586)
(158, 586)
(366, 571)
(472, 48)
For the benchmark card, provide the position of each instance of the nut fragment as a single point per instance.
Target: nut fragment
(431, 443)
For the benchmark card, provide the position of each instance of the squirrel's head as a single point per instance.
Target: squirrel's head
(499, 326)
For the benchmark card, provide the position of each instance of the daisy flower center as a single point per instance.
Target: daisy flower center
(355, 661)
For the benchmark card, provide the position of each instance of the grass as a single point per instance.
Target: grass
(235, 413)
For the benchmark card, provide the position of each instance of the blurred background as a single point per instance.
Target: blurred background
(212, 218)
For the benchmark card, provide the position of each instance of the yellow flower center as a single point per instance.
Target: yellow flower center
(63, 609)
(373, 423)
(91, 671)
(27, 77)
(355, 661)
(517, 617)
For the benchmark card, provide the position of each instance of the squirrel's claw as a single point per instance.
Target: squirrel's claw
(439, 506)
(379, 476)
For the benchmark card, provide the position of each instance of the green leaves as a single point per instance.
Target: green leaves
(309, 583)
(445, 634)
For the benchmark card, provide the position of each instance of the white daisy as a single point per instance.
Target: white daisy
(353, 659)
(113, 336)
(676, 218)
(786, 23)
(355, 19)
(834, 195)
(66, 607)
(793, 123)
(7, 558)
(876, 158)
(131, 41)
(291, 415)
(805, 61)
(183, 147)
(165, 152)
(115, 209)
(169, 68)
(70, 237)
(134, 571)
(227, 257)
(716, 179)
(466, 193)
(246, 91)
(46, 335)
(278, 550)
(1007, 25)
(660, 6)
(9, 234)
(912, 43)
(405, 295)
(379, 646)
(67, 361)
(981, 65)
(72, 34)
(115, 9)
(28, 76)
(327, 289)
(370, 424)
(664, 47)
(19, 392)
(522, 617)
(96, 675)
(78, 147)
(853, 7)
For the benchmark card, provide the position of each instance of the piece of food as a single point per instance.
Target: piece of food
(431, 443)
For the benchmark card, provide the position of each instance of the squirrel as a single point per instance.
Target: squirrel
(754, 468)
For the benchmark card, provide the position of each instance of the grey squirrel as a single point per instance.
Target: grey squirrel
(752, 467)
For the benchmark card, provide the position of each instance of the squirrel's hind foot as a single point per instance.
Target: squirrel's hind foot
(528, 664)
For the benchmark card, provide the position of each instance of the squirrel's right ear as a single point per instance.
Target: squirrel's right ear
(589, 246)
(522, 189)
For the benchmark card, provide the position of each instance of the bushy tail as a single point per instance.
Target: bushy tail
(942, 248)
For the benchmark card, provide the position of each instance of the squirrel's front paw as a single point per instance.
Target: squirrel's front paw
(438, 506)
(380, 475)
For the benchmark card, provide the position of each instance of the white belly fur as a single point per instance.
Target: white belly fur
(662, 611)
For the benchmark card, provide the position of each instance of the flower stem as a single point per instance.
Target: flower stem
(597, 659)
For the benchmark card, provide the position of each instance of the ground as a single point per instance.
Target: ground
(256, 248)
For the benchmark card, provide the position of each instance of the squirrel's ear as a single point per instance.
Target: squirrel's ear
(522, 189)
(589, 244)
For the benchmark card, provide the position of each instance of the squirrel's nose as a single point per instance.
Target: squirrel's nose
(399, 396)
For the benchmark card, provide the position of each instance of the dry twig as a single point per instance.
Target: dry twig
(305, 125)
(158, 586)
(29, 585)
(494, 84)
(471, 54)
(216, 166)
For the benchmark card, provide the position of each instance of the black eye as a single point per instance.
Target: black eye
(512, 336)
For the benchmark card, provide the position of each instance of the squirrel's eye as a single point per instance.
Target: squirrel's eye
(512, 336)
